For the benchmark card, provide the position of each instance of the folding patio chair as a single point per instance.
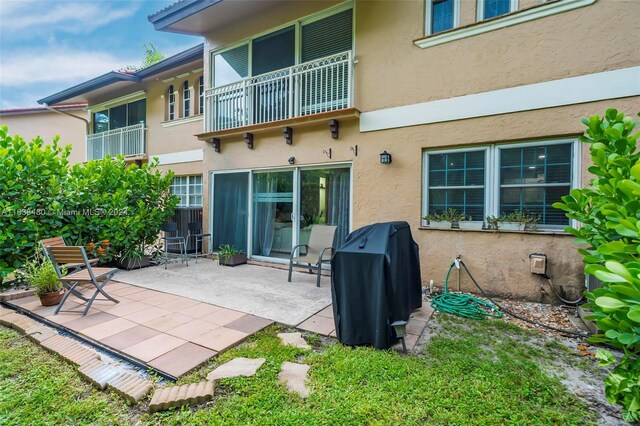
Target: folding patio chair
(320, 241)
(176, 240)
(195, 232)
(99, 277)
(59, 242)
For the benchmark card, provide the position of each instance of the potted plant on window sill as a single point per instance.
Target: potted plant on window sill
(468, 223)
(445, 219)
(228, 255)
(518, 220)
(42, 275)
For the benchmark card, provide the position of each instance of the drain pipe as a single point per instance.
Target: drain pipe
(86, 122)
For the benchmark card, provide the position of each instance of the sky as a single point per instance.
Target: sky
(50, 45)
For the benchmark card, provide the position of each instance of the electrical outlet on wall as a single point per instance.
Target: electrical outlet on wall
(538, 263)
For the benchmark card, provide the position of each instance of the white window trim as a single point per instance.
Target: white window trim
(429, 9)
(513, 6)
(504, 21)
(188, 188)
(492, 175)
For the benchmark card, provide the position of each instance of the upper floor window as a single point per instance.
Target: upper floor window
(120, 116)
(171, 103)
(186, 99)
(491, 8)
(442, 15)
(189, 189)
(500, 179)
(308, 39)
(201, 95)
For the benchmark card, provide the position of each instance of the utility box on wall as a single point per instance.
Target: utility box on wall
(538, 263)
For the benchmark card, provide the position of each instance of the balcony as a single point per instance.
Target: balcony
(314, 87)
(128, 141)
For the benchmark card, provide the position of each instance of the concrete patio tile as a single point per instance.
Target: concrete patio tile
(220, 339)
(416, 326)
(182, 359)
(63, 317)
(121, 310)
(223, 316)
(424, 313)
(45, 311)
(176, 396)
(294, 376)
(192, 329)
(246, 367)
(80, 323)
(25, 300)
(318, 324)
(159, 298)
(201, 310)
(147, 315)
(293, 339)
(98, 373)
(141, 296)
(178, 303)
(124, 291)
(168, 322)
(326, 312)
(130, 386)
(109, 328)
(129, 337)
(32, 305)
(154, 347)
(249, 324)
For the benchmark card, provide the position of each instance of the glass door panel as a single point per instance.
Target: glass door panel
(324, 200)
(272, 234)
(230, 210)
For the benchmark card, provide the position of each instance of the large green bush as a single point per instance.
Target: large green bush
(610, 215)
(41, 196)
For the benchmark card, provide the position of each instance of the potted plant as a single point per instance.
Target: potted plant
(134, 258)
(467, 222)
(445, 219)
(518, 220)
(42, 275)
(492, 222)
(228, 255)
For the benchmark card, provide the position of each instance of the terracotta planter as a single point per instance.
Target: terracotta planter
(51, 299)
(238, 259)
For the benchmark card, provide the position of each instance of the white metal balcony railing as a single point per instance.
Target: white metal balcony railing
(313, 87)
(127, 141)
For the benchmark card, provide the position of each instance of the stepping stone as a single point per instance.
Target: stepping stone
(294, 376)
(70, 349)
(293, 339)
(130, 386)
(40, 333)
(177, 396)
(236, 367)
(98, 373)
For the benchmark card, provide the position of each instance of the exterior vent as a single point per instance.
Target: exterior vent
(591, 282)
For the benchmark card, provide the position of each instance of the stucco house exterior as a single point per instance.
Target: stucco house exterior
(350, 113)
(41, 122)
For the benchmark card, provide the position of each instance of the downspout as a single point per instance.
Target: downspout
(87, 125)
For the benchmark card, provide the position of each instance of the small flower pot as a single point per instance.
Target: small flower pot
(470, 224)
(511, 226)
(235, 260)
(440, 224)
(51, 299)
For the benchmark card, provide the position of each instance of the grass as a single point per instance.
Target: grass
(470, 373)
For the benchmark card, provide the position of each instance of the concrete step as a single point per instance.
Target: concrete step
(129, 386)
(177, 396)
(70, 350)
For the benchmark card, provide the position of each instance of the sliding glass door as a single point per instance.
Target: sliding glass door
(267, 212)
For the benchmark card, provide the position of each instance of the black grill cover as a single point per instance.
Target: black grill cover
(375, 280)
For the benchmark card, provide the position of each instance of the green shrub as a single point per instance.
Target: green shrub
(41, 196)
(610, 213)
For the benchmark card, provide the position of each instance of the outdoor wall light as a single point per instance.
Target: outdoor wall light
(385, 158)
(400, 327)
(292, 160)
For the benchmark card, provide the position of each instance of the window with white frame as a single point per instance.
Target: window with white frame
(441, 15)
(201, 95)
(499, 179)
(186, 99)
(189, 189)
(491, 8)
(171, 103)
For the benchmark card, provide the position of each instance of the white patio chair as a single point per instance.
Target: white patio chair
(319, 250)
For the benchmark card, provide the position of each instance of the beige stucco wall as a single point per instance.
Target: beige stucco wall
(47, 125)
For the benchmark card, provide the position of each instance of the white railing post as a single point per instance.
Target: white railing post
(349, 80)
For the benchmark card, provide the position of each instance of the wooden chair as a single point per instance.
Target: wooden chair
(59, 242)
(99, 277)
(319, 250)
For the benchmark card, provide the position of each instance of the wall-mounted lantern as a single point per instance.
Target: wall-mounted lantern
(385, 158)
(292, 160)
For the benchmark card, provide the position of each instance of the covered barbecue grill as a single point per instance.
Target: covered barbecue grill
(375, 281)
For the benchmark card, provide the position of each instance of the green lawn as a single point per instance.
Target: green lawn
(470, 373)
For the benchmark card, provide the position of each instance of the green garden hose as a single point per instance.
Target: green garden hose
(463, 305)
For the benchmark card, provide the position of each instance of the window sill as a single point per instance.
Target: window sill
(513, 18)
(495, 231)
(180, 121)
